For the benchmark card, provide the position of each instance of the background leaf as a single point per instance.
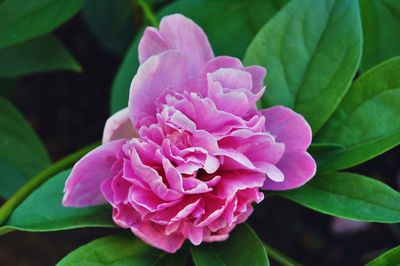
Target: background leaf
(41, 54)
(311, 50)
(123, 249)
(381, 29)
(229, 25)
(42, 211)
(367, 121)
(243, 247)
(391, 257)
(22, 154)
(21, 20)
(111, 22)
(349, 196)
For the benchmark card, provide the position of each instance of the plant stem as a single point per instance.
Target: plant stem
(280, 257)
(151, 18)
(13, 202)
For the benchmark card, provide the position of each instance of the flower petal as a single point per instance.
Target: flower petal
(297, 168)
(221, 62)
(83, 185)
(258, 74)
(149, 233)
(288, 127)
(119, 126)
(181, 33)
(152, 43)
(168, 70)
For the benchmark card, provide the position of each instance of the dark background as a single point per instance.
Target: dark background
(68, 111)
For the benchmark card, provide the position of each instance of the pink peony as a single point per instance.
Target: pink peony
(188, 157)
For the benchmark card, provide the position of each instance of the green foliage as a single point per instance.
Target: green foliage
(391, 257)
(21, 20)
(42, 211)
(311, 50)
(22, 154)
(111, 22)
(41, 54)
(367, 121)
(381, 30)
(349, 196)
(122, 249)
(122, 81)
(229, 33)
(242, 248)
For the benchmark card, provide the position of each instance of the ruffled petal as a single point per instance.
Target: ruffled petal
(168, 70)
(258, 74)
(220, 62)
(119, 126)
(153, 235)
(82, 187)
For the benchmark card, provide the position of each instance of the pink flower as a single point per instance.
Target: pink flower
(188, 157)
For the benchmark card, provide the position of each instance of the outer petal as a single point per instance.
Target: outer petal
(166, 71)
(83, 185)
(154, 236)
(119, 126)
(258, 74)
(297, 168)
(288, 127)
(152, 43)
(221, 62)
(181, 33)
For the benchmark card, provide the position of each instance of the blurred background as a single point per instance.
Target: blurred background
(68, 111)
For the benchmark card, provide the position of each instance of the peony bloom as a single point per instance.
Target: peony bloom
(188, 157)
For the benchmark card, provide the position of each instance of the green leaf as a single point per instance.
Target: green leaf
(42, 211)
(367, 121)
(122, 81)
(122, 249)
(41, 54)
(349, 196)
(111, 22)
(22, 154)
(243, 247)
(229, 34)
(381, 28)
(21, 20)
(391, 257)
(320, 151)
(311, 50)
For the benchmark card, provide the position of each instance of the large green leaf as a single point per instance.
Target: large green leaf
(22, 154)
(367, 121)
(242, 248)
(122, 249)
(229, 25)
(21, 20)
(42, 211)
(111, 22)
(122, 81)
(391, 257)
(41, 54)
(311, 50)
(381, 29)
(349, 196)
